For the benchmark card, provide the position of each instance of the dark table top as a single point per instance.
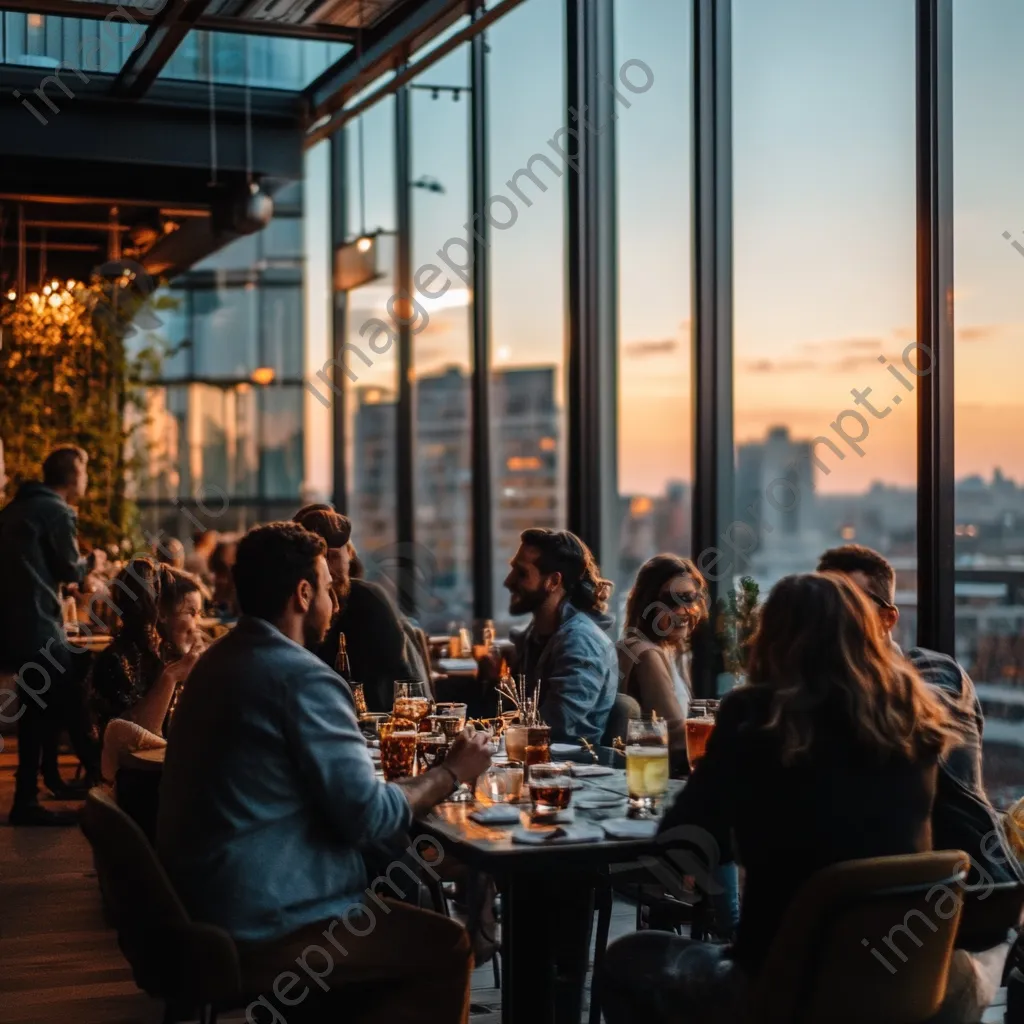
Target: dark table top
(491, 848)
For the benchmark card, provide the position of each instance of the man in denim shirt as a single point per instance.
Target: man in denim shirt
(269, 798)
(566, 646)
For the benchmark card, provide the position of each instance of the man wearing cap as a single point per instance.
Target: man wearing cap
(378, 650)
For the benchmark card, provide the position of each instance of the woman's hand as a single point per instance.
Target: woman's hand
(179, 670)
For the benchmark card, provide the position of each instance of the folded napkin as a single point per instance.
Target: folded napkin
(589, 771)
(496, 814)
(630, 828)
(562, 749)
(582, 833)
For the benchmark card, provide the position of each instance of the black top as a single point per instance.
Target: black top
(784, 824)
(123, 674)
(38, 552)
(376, 643)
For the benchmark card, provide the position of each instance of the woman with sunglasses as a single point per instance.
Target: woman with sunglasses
(667, 603)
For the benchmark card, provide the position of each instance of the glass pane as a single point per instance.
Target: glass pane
(225, 331)
(527, 279)
(281, 442)
(989, 267)
(162, 442)
(222, 442)
(372, 382)
(165, 330)
(282, 326)
(825, 257)
(241, 254)
(81, 45)
(441, 349)
(281, 240)
(371, 170)
(655, 436)
(264, 62)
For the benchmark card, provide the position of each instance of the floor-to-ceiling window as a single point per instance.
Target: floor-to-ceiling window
(653, 177)
(225, 421)
(371, 354)
(989, 355)
(439, 176)
(824, 264)
(526, 108)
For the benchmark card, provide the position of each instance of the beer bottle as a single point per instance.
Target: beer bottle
(341, 665)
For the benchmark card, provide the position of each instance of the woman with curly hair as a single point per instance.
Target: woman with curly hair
(136, 680)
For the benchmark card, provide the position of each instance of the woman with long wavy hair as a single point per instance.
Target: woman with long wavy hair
(667, 603)
(829, 753)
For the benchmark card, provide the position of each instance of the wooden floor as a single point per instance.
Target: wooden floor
(59, 964)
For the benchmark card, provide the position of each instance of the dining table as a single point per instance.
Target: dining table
(548, 887)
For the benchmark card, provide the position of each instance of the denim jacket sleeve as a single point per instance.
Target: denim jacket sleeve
(580, 681)
(331, 754)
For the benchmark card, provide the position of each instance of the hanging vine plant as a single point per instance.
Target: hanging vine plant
(67, 377)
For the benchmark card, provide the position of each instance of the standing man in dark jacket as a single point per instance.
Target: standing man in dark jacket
(39, 552)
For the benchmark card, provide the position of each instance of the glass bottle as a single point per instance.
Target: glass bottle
(341, 665)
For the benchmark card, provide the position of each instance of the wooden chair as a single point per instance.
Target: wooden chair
(863, 942)
(194, 968)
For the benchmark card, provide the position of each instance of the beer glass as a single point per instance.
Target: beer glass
(411, 701)
(397, 750)
(700, 723)
(646, 765)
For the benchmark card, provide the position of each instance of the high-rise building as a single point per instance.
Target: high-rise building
(527, 479)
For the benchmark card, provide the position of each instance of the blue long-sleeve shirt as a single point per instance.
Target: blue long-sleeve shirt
(578, 671)
(268, 794)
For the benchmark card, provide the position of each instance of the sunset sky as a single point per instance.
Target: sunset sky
(824, 195)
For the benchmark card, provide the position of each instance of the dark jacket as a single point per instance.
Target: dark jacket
(953, 685)
(837, 803)
(376, 641)
(578, 671)
(38, 552)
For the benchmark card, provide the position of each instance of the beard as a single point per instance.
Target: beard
(342, 588)
(525, 602)
(313, 632)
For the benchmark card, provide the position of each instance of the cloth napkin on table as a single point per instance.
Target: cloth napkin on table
(582, 833)
(496, 814)
(630, 828)
(590, 771)
(598, 800)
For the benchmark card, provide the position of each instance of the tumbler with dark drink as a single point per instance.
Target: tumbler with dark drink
(700, 723)
(550, 788)
(538, 746)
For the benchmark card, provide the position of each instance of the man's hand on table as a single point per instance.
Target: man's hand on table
(469, 756)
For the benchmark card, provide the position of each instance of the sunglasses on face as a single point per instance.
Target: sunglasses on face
(880, 601)
(689, 598)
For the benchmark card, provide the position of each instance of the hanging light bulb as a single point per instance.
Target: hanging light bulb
(12, 295)
(47, 289)
(364, 244)
(55, 300)
(55, 285)
(71, 283)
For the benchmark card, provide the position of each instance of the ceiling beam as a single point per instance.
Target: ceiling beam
(96, 11)
(387, 45)
(164, 35)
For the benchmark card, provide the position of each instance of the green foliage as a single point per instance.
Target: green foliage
(68, 378)
(735, 624)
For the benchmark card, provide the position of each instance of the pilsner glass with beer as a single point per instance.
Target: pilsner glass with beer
(550, 788)
(397, 750)
(700, 723)
(646, 765)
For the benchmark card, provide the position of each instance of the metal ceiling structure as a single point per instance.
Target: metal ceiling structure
(139, 161)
